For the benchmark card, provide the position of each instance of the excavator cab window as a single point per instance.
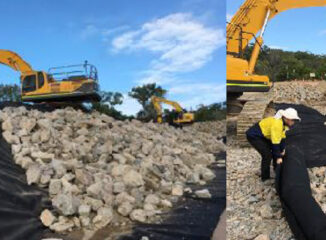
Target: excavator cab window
(40, 79)
(29, 83)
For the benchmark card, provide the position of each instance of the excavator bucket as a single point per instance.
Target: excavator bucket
(74, 83)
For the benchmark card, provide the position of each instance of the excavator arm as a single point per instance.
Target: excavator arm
(253, 16)
(157, 104)
(14, 61)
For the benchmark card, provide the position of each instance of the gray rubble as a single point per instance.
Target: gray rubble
(100, 171)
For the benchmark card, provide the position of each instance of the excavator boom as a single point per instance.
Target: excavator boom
(250, 19)
(14, 61)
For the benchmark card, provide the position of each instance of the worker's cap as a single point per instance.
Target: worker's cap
(291, 113)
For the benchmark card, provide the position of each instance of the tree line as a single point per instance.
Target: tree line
(110, 100)
(281, 65)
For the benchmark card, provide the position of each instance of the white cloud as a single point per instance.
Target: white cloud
(193, 87)
(129, 106)
(194, 94)
(89, 31)
(229, 17)
(180, 42)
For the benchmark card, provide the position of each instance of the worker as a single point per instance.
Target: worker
(268, 138)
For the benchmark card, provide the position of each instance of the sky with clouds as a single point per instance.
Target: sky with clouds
(297, 29)
(178, 44)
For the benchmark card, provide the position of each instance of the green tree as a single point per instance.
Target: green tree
(10, 93)
(282, 65)
(107, 105)
(143, 94)
(213, 112)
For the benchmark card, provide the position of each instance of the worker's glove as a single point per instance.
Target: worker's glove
(279, 161)
(283, 153)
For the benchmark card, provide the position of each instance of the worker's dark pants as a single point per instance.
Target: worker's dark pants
(264, 147)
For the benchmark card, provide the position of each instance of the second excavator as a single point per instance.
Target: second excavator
(249, 23)
(74, 83)
(181, 116)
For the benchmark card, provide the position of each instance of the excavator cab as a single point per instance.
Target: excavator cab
(78, 83)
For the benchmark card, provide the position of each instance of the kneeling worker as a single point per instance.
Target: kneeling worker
(268, 136)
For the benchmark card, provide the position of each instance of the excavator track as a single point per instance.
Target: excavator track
(253, 111)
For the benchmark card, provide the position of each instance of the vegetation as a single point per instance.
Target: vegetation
(107, 105)
(282, 65)
(9, 93)
(213, 112)
(143, 94)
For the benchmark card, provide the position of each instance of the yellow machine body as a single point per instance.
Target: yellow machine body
(251, 18)
(183, 116)
(40, 86)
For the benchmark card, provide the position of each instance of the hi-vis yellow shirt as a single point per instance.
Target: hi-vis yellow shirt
(273, 129)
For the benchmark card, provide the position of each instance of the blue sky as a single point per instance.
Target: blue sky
(297, 29)
(179, 44)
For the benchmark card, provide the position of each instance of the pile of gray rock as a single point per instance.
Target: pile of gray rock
(299, 92)
(98, 170)
(254, 210)
(217, 128)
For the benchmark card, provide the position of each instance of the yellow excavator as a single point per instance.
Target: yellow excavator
(182, 117)
(249, 23)
(74, 83)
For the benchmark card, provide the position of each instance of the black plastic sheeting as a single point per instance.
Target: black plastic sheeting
(20, 204)
(192, 218)
(305, 148)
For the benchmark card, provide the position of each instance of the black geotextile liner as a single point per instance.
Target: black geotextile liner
(20, 204)
(305, 148)
(192, 218)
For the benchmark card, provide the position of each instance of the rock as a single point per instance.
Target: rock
(133, 179)
(177, 190)
(166, 203)
(44, 124)
(125, 208)
(152, 199)
(94, 203)
(59, 168)
(33, 173)
(104, 217)
(138, 215)
(266, 211)
(28, 124)
(66, 204)
(204, 193)
(118, 187)
(55, 186)
(94, 189)
(84, 210)
(262, 237)
(47, 218)
(62, 226)
(83, 177)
